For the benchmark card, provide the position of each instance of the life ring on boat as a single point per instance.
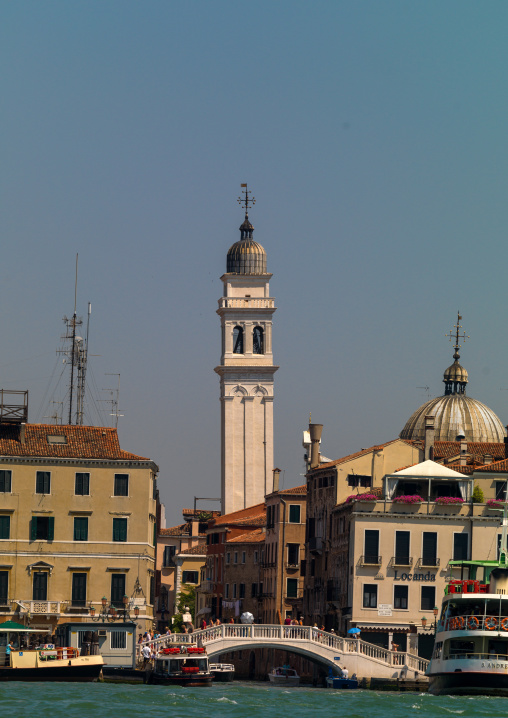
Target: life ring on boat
(504, 624)
(490, 623)
(472, 622)
(459, 622)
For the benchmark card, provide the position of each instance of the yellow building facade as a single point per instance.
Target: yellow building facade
(77, 524)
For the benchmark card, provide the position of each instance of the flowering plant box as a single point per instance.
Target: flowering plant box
(415, 499)
(361, 497)
(448, 500)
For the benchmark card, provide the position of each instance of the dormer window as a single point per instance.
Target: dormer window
(258, 346)
(238, 340)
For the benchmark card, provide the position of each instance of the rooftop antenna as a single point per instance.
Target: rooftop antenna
(55, 416)
(114, 401)
(73, 358)
(426, 389)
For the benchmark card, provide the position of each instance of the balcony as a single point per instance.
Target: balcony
(400, 561)
(42, 608)
(291, 566)
(432, 562)
(371, 560)
(207, 586)
(316, 544)
(246, 303)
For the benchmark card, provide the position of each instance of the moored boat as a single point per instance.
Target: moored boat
(284, 676)
(471, 648)
(222, 672)
(181, 665)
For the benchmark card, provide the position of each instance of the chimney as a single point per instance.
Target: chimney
(315, 431)
(276, 477)
(194, 527)
(487, 459)
(22, 430)
(430, 434)
(463, 452)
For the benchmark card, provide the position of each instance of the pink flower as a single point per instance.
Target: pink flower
(361, 497)
(443, 500)
(407, 499)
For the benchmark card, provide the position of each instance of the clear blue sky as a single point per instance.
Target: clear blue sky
(373, 135)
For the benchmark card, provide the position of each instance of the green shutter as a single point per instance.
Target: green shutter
(5, 525)
(154, 533)
(119, 529)
(51, 528)
(33, 529)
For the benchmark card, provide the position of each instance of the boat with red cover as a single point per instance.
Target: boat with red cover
(182, 665)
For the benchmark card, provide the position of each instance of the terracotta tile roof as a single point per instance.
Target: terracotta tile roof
(495, 466)
(245, 516)
(468, 469)
(295, 490)
(364, 452)
(82, 442)
(180, 530)
(198, 512)
(477, 449)
(199, 550)
(257, 536)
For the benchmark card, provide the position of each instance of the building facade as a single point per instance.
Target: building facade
(246, 374)
(77, 523)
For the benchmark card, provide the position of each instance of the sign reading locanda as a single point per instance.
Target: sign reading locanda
(414, 576)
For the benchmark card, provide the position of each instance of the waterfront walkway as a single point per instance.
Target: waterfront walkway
(365, 659)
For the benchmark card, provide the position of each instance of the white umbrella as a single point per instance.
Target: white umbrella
(247, 617)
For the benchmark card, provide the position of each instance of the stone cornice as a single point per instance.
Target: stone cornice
(54, 461)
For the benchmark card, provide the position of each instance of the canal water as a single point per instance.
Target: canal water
(233, 700)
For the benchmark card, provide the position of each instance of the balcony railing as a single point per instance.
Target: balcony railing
(432, 562)
(246, 302)
(371, 560)
(401, 561)
(316, 544)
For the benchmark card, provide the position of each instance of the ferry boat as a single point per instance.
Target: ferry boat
(181, 665)
(222, 672)
(471, 648)
(284, 676)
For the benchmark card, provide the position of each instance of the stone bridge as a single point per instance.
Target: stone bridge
(326, 649)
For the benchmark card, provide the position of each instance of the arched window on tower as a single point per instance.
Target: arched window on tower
(258, 344)
(238, 340)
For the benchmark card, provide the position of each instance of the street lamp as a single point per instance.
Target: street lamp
(110, 613)
(436, 611)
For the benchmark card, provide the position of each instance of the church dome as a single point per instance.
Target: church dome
(455, 413)
(246, 256)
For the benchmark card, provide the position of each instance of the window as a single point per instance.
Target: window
(4, 587)
(227, 590)
(119, 529)
(79, 589)
(356, 480)
(238, 340)
(42, 528)
(371, 546)
(117, 589)
(5, 527)
(294, 513)
(460, 544)
(256, 556)
(293, 554)
(270, 517)
(243, 556)
(258, 344)
(292, 587)
(400, 597)
(241, 590)
(234, 590)
(56, 439)
(40, 586)
(82, 485)
(370, 595)
(81, 528)
(5, 482)
(253, 590)
(121, 484)
(190, 576)
(402, 547)
(500, 490)
(235, 557)
(167, 559)
(228, 558)
(428, 598)
(118, 639)
(429, 548)
(43, 482)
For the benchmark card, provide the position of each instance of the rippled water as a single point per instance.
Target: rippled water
(233, 700)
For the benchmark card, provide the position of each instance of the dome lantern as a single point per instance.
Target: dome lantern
(246, 256)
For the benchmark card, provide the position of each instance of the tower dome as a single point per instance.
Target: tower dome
(455, 413)
(246, 256)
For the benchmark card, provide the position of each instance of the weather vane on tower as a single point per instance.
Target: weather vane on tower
(246, 200)
(451, 334)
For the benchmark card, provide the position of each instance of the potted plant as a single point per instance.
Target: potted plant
(448, 500)
(413, 499)
(361, 497)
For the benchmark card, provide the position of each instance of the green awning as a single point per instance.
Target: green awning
(13, 626)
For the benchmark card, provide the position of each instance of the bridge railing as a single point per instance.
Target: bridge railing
(293, 633)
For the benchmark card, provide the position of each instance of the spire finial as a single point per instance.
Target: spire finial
(463, 337)
(246, 200)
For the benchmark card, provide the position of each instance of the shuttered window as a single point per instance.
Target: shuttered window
(79, 589)
(294, 513)
(82, 485)
(81, 528)
(119, 529)
(43, 482)
(5, 527)
(292, 587)
(117, 589)
(428, 598)
(42, 528)
(402, 547)
(400, 597)
(429, 548)
(371, 546)
(40, 586)
(121, 484)
(460, 547)
(4, 587)
(5, 482)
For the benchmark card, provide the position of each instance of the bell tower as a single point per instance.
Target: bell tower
(246, 372)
